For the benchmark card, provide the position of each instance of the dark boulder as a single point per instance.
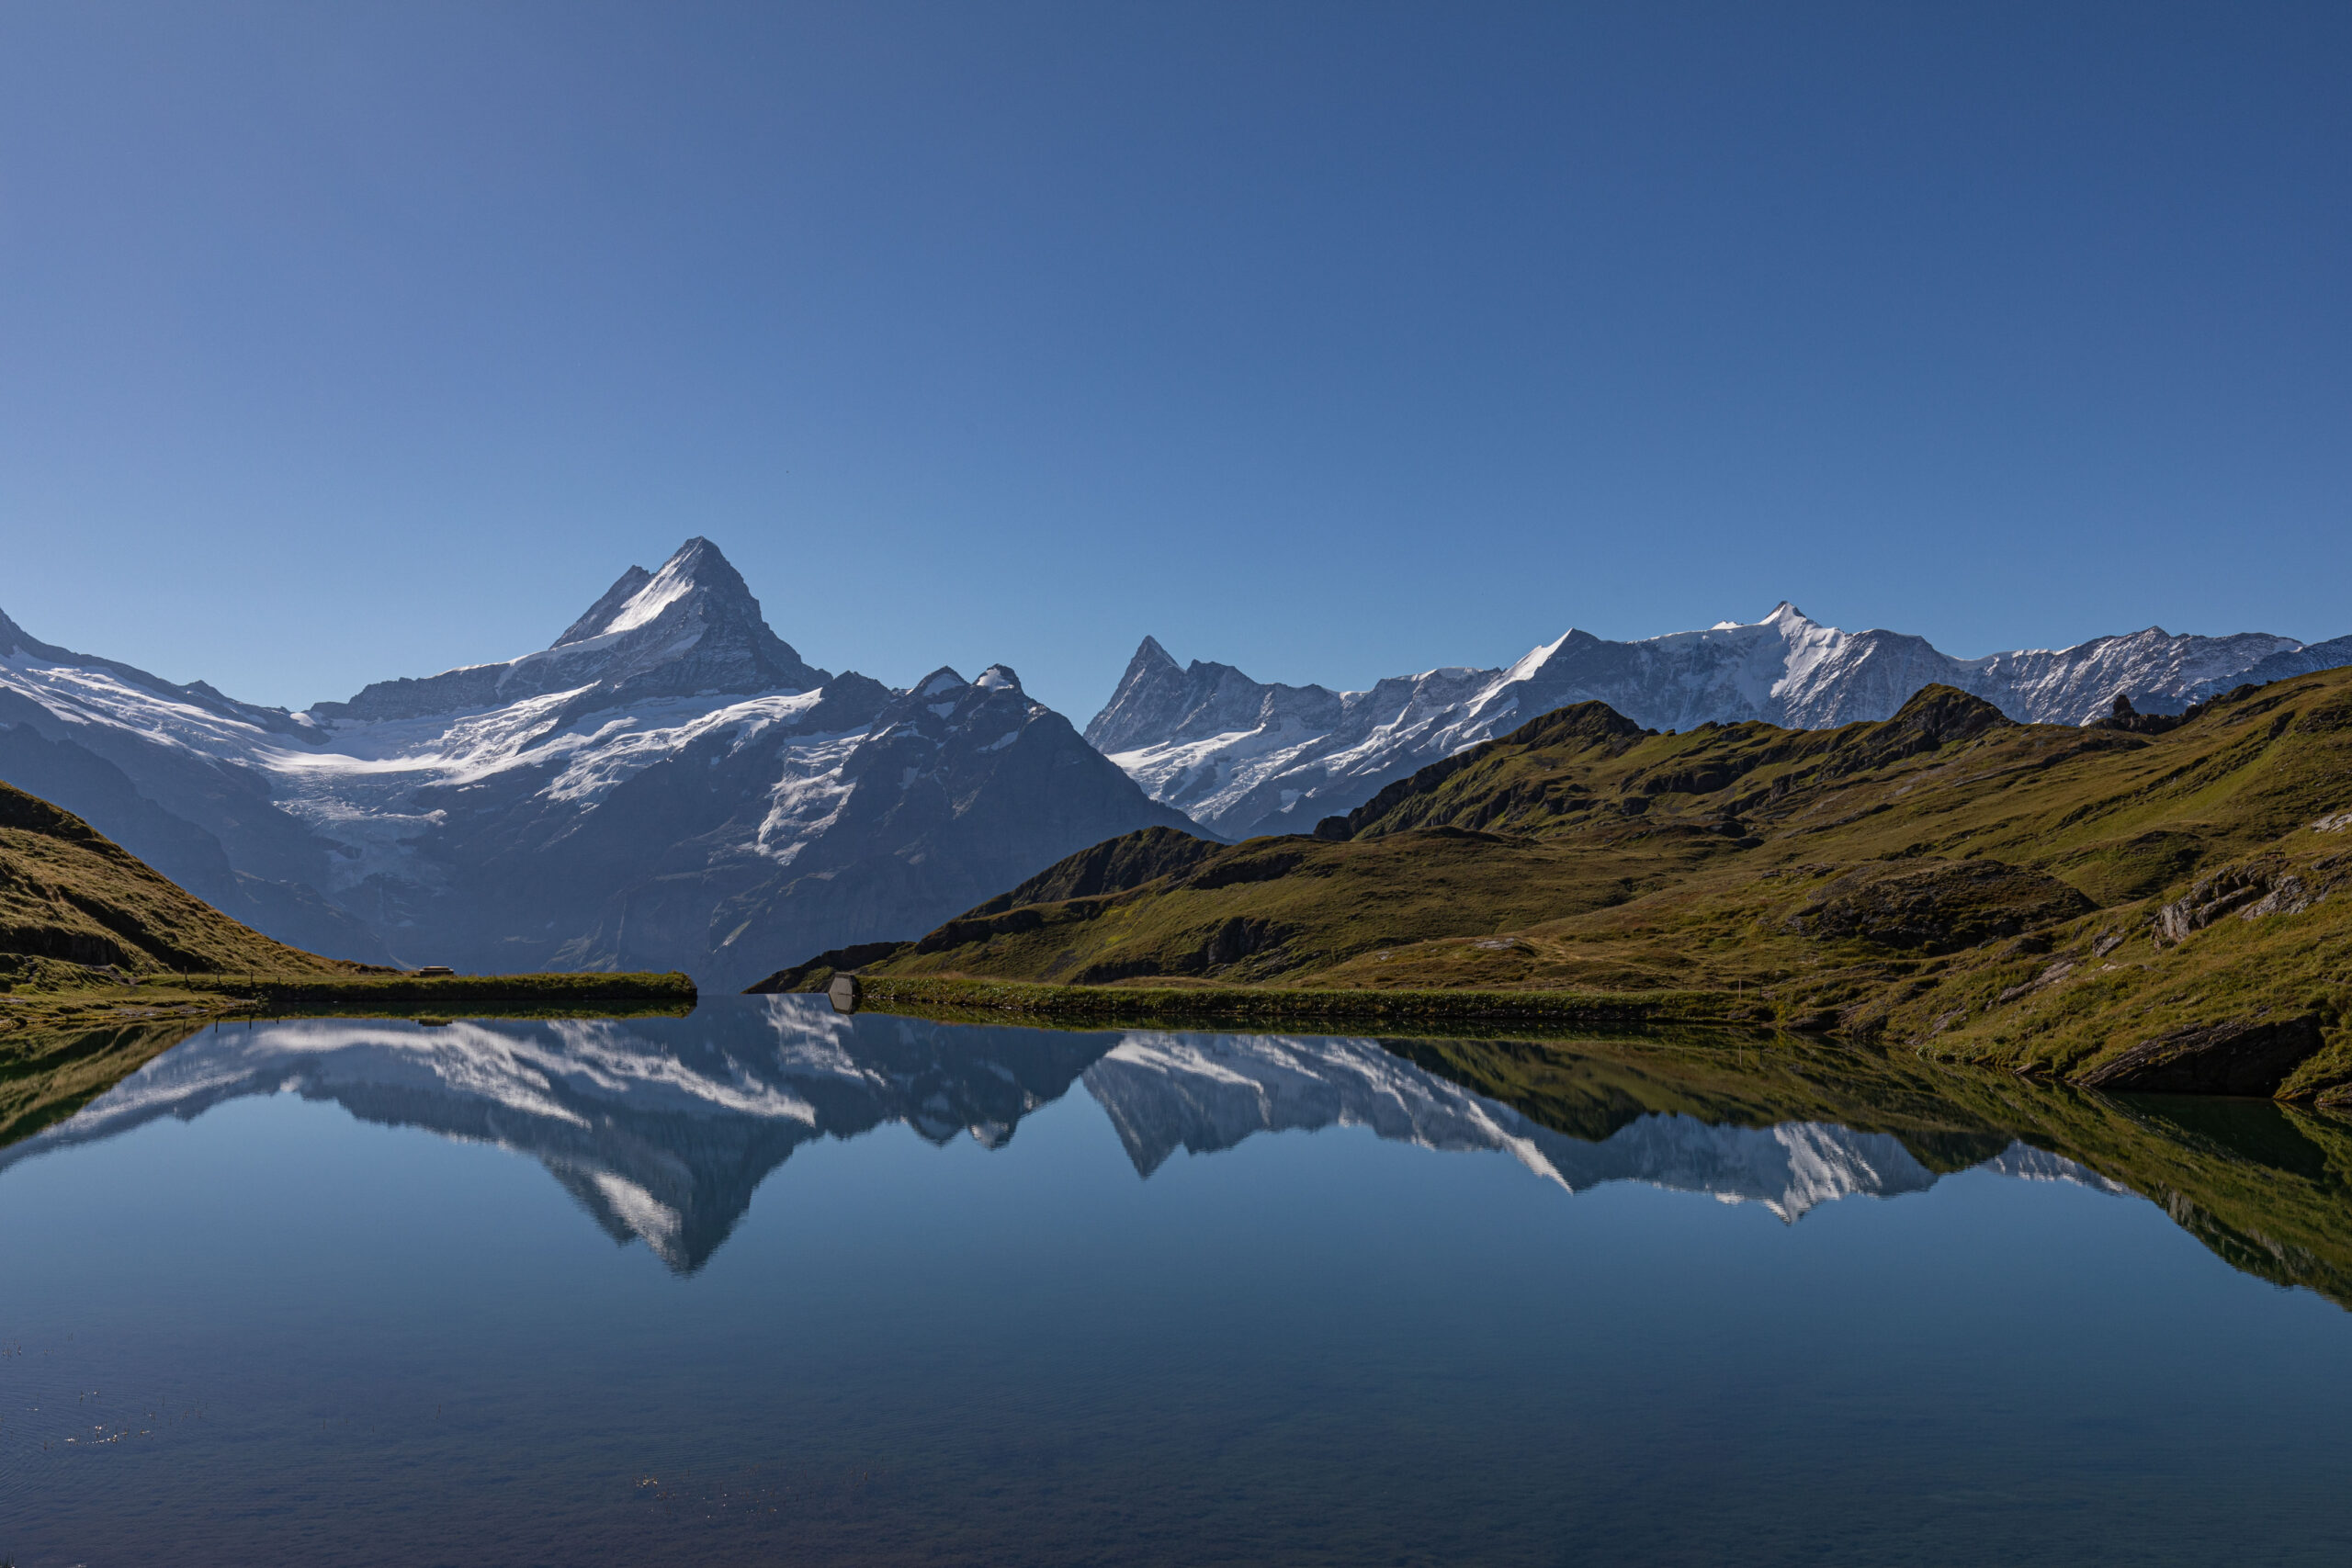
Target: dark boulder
(2242, 1057)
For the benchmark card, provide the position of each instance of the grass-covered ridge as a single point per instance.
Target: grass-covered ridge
(2026, 896)
(91, 937)
(1267, 1005)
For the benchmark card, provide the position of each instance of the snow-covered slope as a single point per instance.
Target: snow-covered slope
(1244, 758)
(662, 1129)
(669, 786)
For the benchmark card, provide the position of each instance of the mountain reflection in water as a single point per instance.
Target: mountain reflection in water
(662, 1129)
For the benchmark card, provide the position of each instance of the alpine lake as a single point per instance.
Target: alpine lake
(770, 1283)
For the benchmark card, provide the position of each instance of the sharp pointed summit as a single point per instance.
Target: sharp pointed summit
(690, 629)
(697, 579)
(669, 786)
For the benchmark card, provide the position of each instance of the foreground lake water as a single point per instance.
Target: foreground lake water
(814, 1288)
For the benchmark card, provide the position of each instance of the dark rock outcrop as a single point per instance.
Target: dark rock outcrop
(1933, 719)
(2247, 1057)
(1936, 905)
(817, 973)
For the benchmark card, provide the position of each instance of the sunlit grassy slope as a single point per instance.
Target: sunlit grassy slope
(2014, 895)
(70, 895)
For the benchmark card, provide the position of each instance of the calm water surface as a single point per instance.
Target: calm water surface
(806, 1287)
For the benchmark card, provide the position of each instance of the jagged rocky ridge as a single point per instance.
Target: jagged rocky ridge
(1242, 757)
(668, 786)
(662, 1129)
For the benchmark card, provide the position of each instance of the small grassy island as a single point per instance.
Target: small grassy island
(2146, 903)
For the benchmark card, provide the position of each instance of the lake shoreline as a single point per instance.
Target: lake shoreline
(96, 999)
(1254, 1005)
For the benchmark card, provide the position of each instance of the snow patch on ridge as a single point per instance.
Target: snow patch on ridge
(672, 584)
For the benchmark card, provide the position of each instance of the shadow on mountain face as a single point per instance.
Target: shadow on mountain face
(662, 1128)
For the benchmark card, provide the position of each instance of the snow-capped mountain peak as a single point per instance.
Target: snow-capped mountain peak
(1243, 757)
(670, 786)
(640, 598)
(600, 616)
(689, 628)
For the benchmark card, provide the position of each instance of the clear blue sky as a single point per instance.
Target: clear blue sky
(341, 341)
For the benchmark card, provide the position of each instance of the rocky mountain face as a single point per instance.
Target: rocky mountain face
(1243, 758)
(668, 786)
(689, 630)
(662, 1128)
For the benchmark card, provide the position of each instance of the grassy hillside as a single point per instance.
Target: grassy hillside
(70, 895)
(2028, 897)
(91, 936)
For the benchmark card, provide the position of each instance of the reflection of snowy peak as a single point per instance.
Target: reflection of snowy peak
(662, 1128)
(1206, 1092)
(1202, 1093)
(1789, 1169)
(1242, 757)
(669, 786)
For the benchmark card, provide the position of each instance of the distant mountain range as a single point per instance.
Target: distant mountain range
(662, 1128)
(668, 786)
(1244, 758)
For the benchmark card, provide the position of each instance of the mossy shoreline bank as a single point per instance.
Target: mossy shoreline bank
(76, 1033)
(445, 992)
(1255, 1005)
(1442, 1013)
(47, 995)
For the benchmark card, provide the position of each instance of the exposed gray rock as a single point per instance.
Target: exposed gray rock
(2250, 890)
(2285, 665)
